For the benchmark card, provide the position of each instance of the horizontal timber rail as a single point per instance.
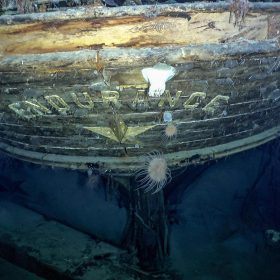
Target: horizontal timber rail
(118, 57)
(128, 165)
(172, 10)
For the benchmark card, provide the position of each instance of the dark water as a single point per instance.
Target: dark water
(217, 221)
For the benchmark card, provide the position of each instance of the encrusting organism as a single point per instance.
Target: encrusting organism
(170, 132)
(157, 76)
(155, 174)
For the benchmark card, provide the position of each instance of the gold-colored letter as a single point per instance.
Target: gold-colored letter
(194, 100)
(89, 103)
(57, 103)
(171, 100)
(29, 109)
(218, 102)
(111, 98)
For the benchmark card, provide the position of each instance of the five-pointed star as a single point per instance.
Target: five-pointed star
(129, 135)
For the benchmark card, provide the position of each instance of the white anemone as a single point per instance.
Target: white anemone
(157, 76)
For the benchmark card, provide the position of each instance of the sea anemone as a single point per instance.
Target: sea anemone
(170, 132)
(155, 173)
(157, 76)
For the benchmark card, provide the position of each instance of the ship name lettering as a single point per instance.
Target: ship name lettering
(29, 109)
(32, 108)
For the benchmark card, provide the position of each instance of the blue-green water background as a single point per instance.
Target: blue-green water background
(218, 213)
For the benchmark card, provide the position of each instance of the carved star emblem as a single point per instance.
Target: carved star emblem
(118, 131)
(128, 136)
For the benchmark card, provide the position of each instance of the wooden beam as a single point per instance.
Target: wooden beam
(172, 10)
(168, 25)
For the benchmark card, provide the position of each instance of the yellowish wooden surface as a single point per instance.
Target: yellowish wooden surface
(135, 31)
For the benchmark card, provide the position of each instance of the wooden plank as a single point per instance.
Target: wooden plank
(68, 126)
(204, 132)
(126, 165)
(55, 251)
(172, 10)
(60, 35)
(52, 66)
(35, 38)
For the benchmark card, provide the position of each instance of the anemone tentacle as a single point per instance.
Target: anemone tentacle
(155, 174)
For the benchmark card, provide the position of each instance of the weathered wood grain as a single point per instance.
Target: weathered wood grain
(172, 10)
(72, 91)
(99, 28)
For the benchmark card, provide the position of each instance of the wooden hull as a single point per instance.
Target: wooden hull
(73, 94)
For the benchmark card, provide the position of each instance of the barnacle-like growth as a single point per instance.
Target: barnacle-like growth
(157, 76)
(155, 174)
